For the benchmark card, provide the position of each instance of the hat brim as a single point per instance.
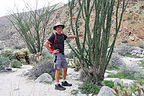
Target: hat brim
(58, 25)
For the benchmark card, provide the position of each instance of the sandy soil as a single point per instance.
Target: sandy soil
(14, 84)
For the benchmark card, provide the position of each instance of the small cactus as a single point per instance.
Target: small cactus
(22, 54)
(122, 90)
(76, 64)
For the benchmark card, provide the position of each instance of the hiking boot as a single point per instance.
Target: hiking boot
(59, 87)
(65, 83)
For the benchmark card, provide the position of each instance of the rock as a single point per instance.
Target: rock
(128, 82)
(84, 77)
(81, 94)
(124, 41)
(106, 91)
(74, 76)
(133, 94)
(116, 60)
(123, 49)
(106, 75)
(137, 51)
(90, 95)
(117, 81)
(142, 7)
(44, 78)
(25, 73)
(132, 38)
(8, 68)
(143, 53)
(43, 67)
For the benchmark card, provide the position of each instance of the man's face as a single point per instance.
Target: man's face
(59, 29)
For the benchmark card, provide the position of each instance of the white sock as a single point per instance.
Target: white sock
(63, 80)
(56, 83)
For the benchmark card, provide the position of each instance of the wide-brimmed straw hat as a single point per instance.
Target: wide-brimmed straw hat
(58, 24)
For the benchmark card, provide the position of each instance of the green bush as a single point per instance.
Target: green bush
(74, 92)
(16, 64)
(46, 55)
(130, 55)
(88, 88)
(108, 83)
(113, 68)
(7, 53)
(142, 63)
(121, 75)
(140, 81)
(4, 62)
(70, 55)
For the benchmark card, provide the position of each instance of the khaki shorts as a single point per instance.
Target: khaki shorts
(59, 61)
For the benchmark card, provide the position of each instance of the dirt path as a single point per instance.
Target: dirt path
(13, 84)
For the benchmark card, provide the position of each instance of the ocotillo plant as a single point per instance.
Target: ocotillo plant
(92, 51)
(32, 26)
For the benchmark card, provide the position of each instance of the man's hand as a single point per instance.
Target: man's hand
(80, 35)
(56, 51)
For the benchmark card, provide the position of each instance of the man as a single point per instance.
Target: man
(58, 52)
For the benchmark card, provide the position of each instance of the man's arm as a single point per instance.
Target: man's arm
(74, 36)
(46, 44)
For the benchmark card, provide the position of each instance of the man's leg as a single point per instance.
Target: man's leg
(57, 75)
(64, 82)
(57, 66)
(57, 85)
(64, 73)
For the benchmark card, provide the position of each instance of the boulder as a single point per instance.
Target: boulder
(81, 94)
(124, 41)
(43, 67)
(123, 49)
(25, 73)
(106, 91)
(44, 78)
(106, 75)
(117, 80)
(116, 60)
(84, 77)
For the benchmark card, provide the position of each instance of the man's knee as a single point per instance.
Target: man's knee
(64, 69)
(58, 70)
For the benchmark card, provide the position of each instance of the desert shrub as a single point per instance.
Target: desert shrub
(140, 81)
(88, 88)
(74, 92)
(70, 55)
(116, 60)
(133, 70)
(47, 56)
(16, 64)
(42, 67)
(4, 62)
(7, 53)
(108, 83)
(22, 55)
(129, 72)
